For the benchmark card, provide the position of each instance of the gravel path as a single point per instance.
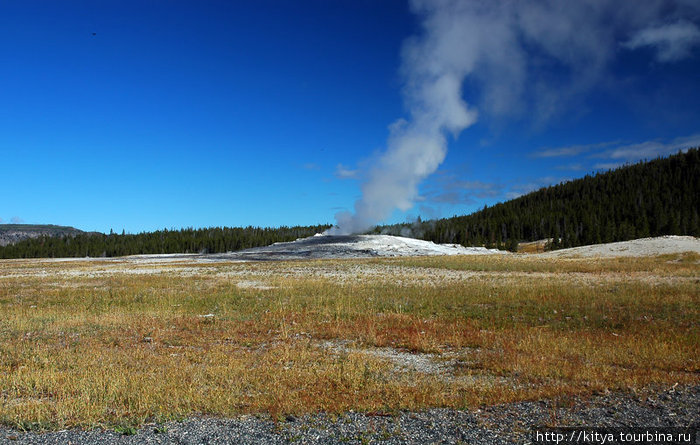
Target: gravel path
(501, 424)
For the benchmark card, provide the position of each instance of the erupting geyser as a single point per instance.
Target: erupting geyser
(486, 42)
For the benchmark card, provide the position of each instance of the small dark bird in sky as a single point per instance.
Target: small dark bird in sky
(94, 33)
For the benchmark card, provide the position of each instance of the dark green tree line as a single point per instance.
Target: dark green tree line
(209, 240)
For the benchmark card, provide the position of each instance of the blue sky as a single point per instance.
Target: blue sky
(145, 115)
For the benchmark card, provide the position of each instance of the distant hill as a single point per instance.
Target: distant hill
(647, 199)
(13, 233)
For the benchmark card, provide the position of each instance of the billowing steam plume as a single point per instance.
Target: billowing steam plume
(486, 41)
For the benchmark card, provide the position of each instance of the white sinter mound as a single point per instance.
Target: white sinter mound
(365, 246)
(640, 247)
(355, 246)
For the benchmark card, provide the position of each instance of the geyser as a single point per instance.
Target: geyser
(520, 58)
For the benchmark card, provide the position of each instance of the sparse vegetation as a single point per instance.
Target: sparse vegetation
(101, 344)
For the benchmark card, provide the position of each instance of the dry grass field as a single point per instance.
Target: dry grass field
(119, 343)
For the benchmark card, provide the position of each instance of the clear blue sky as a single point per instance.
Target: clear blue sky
(140, 115)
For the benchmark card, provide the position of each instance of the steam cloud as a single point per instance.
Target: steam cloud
(502, 47)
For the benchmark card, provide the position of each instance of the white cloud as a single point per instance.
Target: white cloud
(607, 165)
(450, 198)
(522, 189)
(571, 150)
(561, 151)
(519, 190)
(452, 191)
(342, 172)
(672, 42)
(16, 220)
(577, 166)
(478, 188)
(618, 152)
(650, 149)
(311, 166)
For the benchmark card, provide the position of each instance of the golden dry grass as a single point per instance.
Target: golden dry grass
(532, 246)
(89, 343)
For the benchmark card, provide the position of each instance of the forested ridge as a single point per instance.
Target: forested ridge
(654, 198)
(209, 240)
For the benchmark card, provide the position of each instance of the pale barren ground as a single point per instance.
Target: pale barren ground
(125, 341)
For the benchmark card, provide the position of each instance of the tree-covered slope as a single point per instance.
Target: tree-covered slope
(654, 198)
